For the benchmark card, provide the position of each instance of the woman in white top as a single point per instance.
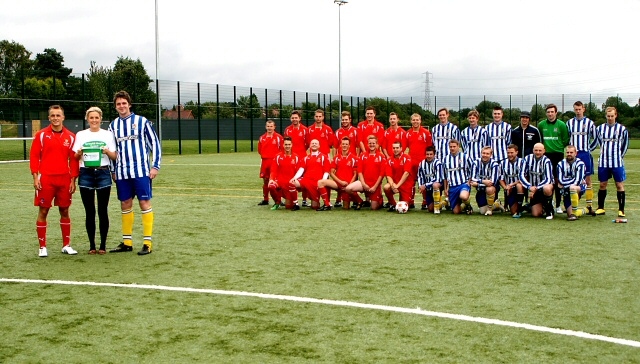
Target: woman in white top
(94, 148)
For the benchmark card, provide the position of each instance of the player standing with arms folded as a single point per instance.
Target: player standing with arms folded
(54, 169)
(613, 139)
(370, 126)
(418, 139)
(269, 145)
(299, 138)
(474, 137)
(582, 135)
(443, 132)
(393, 134)
(555, 136)
(346, 130)
(137, 164)
(498, 135)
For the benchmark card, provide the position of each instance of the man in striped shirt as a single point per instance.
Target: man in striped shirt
(510, 180)
(431, 180)
(473, 137)
(536, 176)
(443, 133)
(571, 175)
(582, 135)
(613, 139)
(137, 164)
(456, 175)
(498, 135)
(485, 173)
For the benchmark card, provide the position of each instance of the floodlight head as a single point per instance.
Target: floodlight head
(340, 2)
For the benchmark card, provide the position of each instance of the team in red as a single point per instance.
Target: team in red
(301, 161)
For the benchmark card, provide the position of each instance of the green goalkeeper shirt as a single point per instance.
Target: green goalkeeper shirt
(555, 136)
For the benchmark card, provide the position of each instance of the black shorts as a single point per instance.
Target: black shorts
(538, 197)
(555, 158)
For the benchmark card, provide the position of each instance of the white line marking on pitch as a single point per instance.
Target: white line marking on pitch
(213, 164)
(415, 311)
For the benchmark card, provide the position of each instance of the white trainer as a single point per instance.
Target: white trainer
(549, 217)
(67, 249)
(42, 253)
(559, 210)
(488, 213)
(436, 211)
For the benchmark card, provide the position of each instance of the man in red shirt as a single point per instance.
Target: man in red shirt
(322, 133)
(54, 169)
(399, 176)
(393, 134)
(370, 126)
(269, 145)
(346, 130)
(314, 167)
(298, 134)
(371, 170)
(283, 167)
(418, 139)
(344, 170)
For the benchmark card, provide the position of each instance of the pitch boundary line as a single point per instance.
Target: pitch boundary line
(415, 311)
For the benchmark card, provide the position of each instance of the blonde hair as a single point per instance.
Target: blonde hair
(93, 109)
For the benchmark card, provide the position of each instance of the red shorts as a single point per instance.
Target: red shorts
(375, 196)
(405, 191)
(265, 168)
(310, 186)
(53, 187)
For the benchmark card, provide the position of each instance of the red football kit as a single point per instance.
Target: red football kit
(391, 136)
(268, 147)
(283, 168)
(315, 166)
(395, 168)
(345, 166)
(372, 167)
(352, 133)
(53, 158)
(299, 138)
(417, 142)
(365, 129)
(324, 135)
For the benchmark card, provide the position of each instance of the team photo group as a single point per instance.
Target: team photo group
(543, 171)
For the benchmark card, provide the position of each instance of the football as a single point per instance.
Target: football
(402, 207)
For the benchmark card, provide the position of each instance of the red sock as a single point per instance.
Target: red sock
(265, 192)
(390, 197)
(41, 230)
(65, 226)
(325, 196)
(355, 197)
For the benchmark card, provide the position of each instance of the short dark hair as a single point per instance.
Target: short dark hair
(122, 95)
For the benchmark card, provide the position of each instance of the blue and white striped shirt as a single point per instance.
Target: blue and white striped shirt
(536, 172)
(481, 171)
(571, 174)
(499, 138)
(582, 134)
(456, 169)
(429, 173)
(441, 134)
(136, 143)
(510, 171)
(473, 140)
(614, 142)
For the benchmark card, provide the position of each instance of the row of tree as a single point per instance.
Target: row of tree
(33, 84)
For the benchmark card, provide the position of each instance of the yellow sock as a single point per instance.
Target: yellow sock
(127, 227)
(588, 195)
(491, 198)
(436, 199)
(147, 226)
(574, 199)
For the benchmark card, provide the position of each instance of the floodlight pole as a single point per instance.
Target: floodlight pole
(159, 110)
(340, 3)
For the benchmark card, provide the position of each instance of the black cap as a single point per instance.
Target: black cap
(525, 114)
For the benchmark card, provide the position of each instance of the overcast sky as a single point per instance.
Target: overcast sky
(470, 47)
